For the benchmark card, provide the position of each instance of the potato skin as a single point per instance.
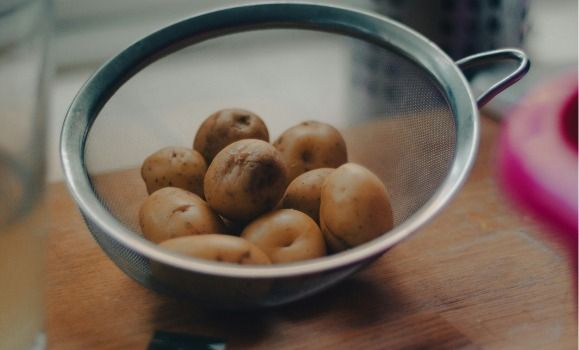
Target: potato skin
(218, 247)
(303, 193)
(172, 212)
(245, 179)
(311, 145)
(225, 127)
(174, 167)
(355, 207)
(286, 235)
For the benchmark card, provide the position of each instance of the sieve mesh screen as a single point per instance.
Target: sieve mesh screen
(394, 117)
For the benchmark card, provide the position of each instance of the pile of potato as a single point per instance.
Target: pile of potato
(234, 197)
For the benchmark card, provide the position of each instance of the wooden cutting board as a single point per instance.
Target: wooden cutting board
(481, 275)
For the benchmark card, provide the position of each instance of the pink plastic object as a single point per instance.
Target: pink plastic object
(538, 157)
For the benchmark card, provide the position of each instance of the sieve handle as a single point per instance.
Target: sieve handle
(495, 56)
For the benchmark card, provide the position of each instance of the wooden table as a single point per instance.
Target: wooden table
(481, 275)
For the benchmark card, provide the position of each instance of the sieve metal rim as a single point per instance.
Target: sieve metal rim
(370, 27)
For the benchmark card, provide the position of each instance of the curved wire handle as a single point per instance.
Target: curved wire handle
(493, 57)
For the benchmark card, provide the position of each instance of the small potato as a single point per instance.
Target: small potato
(245, 179)
(355, 207)
(225, 127)
(172, 212)
(286, 235)
(303, 193)
(174, 167)
(217, 247)
(311, 145)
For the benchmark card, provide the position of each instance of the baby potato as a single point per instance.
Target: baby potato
(311, 145)
(173, 212)
(225, 127)
(174, 167)
(354, 207)
(245, 179)
(286, 235)
(303, 193)
(218, 247)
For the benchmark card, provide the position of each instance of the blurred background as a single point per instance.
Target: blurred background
(87, 33)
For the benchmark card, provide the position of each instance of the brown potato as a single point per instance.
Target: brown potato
(225, 127)
(355, 207)
(311, 145)
(174, 167)
(303, 193)
(172, 212)
(245, 179)
(286, 235)
(218, 247)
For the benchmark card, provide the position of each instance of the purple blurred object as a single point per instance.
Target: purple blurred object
(462, 27)
(459, 27)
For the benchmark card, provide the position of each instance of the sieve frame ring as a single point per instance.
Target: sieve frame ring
(367, 26)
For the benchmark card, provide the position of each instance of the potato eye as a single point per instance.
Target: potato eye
(242, 119)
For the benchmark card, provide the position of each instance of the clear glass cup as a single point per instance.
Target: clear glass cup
(24, 30)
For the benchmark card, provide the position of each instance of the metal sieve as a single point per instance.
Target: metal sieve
(276, 59)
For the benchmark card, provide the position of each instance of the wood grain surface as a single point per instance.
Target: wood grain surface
(481, 275)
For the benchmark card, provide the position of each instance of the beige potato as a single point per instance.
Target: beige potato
(173, 212)
(174, 167)
(225, 127)
(311, 145)
(354, 207)
(245, 179)
(286, 235)
(218, 247)
(303, 193)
